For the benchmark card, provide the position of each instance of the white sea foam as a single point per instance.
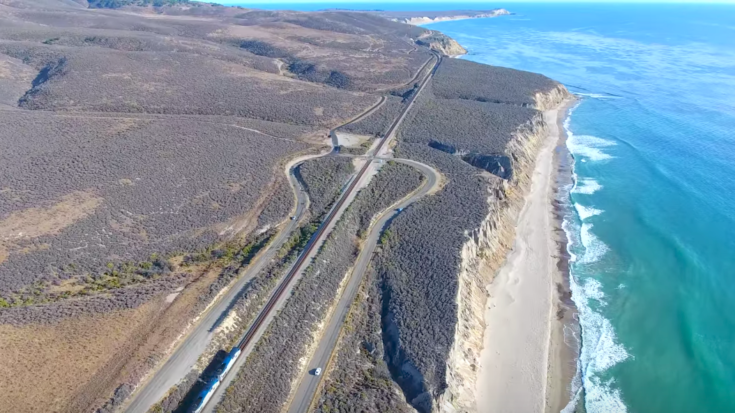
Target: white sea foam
(593, 289)
(586, 186)
(585, 145)
(589, 147)
(566, 226)
(600, 349)
(586, 212)
(594, 249)
(594, 141)
(597, 95)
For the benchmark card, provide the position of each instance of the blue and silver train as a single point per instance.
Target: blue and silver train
(214, 382)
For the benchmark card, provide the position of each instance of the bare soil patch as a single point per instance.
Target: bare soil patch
(43, 365)
(35, 222)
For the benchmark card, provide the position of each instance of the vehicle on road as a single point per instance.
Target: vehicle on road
(318, 371)
(399, 209)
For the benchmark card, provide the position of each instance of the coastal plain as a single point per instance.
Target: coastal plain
(165, 164)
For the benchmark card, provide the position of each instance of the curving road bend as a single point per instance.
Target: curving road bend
(333, 132)
(282, 293)
(188, 352)
(308, 385)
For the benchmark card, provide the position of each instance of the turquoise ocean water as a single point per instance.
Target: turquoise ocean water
(652, 229)
(652, 232)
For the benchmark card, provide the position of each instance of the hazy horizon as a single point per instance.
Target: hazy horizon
(478, 2)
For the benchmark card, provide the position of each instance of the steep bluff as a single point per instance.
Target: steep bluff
(441, 43)
(434, 17)
(484, 253)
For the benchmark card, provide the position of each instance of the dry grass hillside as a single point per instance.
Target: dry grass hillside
(144, 147)
(143, 153)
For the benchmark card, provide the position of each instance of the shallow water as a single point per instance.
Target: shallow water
(653, 224)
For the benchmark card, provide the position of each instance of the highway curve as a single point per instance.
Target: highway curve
(188, 352)
(280, 296)
(309, 384)
(190, 349)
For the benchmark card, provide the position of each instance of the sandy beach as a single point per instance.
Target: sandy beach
(525, 365)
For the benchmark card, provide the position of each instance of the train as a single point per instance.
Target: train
(215, 380)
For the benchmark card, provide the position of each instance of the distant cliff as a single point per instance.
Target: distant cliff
(433, 39)
(419, 17)
(441, 43)
(116, 4)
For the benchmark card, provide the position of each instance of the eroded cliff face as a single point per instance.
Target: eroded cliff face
(551, 99)
(441, 43)
(484, 253)
(416, 20)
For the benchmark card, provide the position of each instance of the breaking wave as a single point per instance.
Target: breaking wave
(600, 349)
(586, 146)
(594, 249)
(586, 212)
(589, 147)
(586, 186)
(597, 95)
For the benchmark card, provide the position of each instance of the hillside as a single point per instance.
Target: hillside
(147, 159)
(115, 4)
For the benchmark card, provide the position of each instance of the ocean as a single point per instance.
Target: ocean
(652, 224)
(652, 228)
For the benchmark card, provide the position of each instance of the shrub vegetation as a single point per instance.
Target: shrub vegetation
(263, 383)
(463, 135)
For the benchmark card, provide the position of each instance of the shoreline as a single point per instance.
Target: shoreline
(564, 346)
(418, 21)
(525, 364)
(437, 17)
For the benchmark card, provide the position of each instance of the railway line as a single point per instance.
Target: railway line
(188, 351)
(212, 393)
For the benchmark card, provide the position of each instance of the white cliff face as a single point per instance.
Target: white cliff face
(484, 253)
(418, 20)
(551, 99)
(441, 43)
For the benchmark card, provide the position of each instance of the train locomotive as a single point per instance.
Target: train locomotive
(215, 380)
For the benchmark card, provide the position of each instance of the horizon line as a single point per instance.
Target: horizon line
(346, 3)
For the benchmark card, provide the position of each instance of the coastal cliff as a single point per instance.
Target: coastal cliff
(484, 253)
(441, 43)
(551, 99)
(434, 17)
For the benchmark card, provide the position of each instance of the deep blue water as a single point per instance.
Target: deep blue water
(652, 232)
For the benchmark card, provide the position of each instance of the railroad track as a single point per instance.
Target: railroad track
(277, 295)
(332, 214)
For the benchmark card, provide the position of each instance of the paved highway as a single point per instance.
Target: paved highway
(281, 295)
(333, 132)
(190, 349)
(309, 384)
(187, 353)
(279, 298)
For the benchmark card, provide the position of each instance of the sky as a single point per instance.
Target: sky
(484, 3)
